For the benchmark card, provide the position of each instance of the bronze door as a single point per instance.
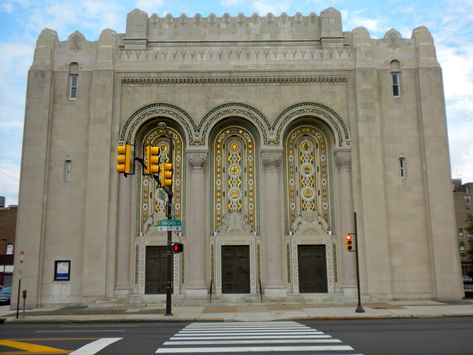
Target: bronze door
(236, 269)
(312, 268)
(156, 269)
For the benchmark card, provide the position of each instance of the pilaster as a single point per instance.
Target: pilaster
(343, 161)
(196, 247)
(273, 283)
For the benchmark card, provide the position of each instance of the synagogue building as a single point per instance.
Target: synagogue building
(279, 129)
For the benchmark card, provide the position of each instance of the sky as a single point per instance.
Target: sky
(21, 21)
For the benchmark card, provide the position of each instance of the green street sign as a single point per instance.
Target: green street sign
(166, 225)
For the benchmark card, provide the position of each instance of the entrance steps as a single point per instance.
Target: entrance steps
(223, 300)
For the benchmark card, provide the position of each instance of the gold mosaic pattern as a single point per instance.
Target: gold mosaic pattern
(307, 173)
(151, 200)
(235, 175)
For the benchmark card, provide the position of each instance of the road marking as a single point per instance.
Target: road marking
(31, 348)
(253, 349)
(82, 331)
(245, 333)
(250, 337)
(319, 336)
(256, 341)
(48, 339)
(95, 347)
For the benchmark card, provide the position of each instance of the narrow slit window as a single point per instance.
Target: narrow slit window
(402, 167)
(68, 170)
(395, 84)
(73, 84)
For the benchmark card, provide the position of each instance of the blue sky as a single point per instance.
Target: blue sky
(21, 21)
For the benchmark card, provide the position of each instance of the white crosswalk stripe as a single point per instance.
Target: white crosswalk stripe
(282, 337)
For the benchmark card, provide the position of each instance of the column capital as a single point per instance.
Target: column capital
(343, 158)
(197, 156)
(271, 157)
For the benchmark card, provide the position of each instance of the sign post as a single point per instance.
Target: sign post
(20, 276)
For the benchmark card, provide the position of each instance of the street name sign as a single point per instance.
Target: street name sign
(172, 225)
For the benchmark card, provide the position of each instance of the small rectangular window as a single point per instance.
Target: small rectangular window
(460, 232)
(402, 167)
(395, 83)
(468, 200)
(73, 81)
(67, 170)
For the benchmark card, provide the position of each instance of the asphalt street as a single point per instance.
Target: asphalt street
(385, 336)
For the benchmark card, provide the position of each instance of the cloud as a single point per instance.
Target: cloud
(150, 6)
(230, 3)
(275, 7)
(376, 25)
(9, 182)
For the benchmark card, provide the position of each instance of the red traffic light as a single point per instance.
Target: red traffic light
(177, 248)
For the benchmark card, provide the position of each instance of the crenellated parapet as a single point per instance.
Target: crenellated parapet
(253, 42)
(143, 31)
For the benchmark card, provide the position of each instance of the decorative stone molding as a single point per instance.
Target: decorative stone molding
(234, 53)
(271, 158)
(236, 110)
(198, 158)
(137, 119)
(329, 116)
(343, 158)
(328, 79)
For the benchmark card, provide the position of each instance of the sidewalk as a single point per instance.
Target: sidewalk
(253, 312)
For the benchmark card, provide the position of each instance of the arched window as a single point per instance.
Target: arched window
(235, 178)
(307, 175)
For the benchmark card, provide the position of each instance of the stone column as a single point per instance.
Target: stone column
(343, 160)
(122, 271)
(195, 224)
(272, 232)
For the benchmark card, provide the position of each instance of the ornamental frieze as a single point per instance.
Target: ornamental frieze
(331, 79)
(238, 54)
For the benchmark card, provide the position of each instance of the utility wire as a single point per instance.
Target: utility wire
(10, 176)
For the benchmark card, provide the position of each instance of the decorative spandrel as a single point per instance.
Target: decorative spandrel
(234, 176)
(307, 176)
(153, 201)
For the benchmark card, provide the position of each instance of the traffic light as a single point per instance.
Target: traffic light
(349, 241)
(152, 160)
(177, 248)
(166, 174)
(124, 158)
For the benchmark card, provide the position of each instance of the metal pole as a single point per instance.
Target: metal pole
(169, 239)
(359, 308)
(18, 300)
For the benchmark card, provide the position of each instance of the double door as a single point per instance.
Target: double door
(235, 269)
(156, 269)
(312, 268)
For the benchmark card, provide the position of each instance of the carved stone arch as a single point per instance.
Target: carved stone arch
(241, 110)
(339, 128)
(130, 128)
(76, 41)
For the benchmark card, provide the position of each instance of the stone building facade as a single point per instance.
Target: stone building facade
(282, 128)
(462, 197)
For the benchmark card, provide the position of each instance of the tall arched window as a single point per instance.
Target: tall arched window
(307, 175)
(235, 178)
(153, 201)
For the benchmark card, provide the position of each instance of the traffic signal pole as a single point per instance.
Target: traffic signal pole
(359, 308)
(170, 255)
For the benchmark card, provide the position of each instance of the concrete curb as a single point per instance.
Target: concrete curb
(172, 319)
